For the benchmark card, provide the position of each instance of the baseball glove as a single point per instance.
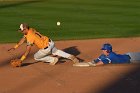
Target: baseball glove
(16, 63)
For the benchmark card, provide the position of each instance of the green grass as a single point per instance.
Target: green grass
(80, 19)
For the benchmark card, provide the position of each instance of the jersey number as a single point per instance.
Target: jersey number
(38, 35)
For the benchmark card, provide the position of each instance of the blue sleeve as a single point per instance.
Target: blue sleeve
(96, 60)
(102, 58)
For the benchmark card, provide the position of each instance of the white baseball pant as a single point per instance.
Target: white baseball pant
(135, 57)
(43, 54)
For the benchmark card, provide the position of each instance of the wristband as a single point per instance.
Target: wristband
(16, 46)
(23, 57)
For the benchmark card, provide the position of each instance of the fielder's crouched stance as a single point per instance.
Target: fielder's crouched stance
(109, 57)
(46, 47)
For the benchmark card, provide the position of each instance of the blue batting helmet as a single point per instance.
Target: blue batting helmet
(107, 46)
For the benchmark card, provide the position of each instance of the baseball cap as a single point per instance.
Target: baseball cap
(107, 46)
(23, 26)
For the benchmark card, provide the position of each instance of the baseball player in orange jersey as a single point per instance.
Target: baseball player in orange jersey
(46, 46)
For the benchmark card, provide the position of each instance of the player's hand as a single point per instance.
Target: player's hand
(11, 49)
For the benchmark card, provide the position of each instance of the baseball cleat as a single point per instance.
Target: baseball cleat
(55, 61)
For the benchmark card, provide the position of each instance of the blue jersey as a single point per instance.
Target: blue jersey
(113, 58)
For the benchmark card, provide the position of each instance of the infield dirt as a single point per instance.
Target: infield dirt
(40, 77)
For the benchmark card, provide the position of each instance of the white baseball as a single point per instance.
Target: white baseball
(58, 23)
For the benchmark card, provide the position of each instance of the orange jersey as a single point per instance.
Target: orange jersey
(34, 37)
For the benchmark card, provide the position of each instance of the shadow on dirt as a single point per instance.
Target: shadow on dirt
(129, 83)
(74, 51)
(26, 64)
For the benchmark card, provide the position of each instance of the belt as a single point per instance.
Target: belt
(47, 46)
(49, 40)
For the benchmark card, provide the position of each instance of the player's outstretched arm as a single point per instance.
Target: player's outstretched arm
(28, 49)
(18, 44)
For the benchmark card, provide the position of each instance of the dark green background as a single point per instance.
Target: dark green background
(80, 19)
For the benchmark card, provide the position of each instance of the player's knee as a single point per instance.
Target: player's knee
(54, 50)
(36, 56)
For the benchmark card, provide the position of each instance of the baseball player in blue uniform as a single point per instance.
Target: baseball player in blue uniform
(107, 57)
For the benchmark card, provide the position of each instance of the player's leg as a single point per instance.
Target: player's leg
(43, 55)
(135, 57)
(58, 52)
(63, 54)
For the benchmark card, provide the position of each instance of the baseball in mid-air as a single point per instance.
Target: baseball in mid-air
(58, 23)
